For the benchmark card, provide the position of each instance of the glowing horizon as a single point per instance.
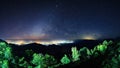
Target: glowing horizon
(22, 42)
(89, 37)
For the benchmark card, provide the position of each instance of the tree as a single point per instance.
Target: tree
(22, 62)
(65, 59)
(5, 55)
(102, 48)
(42, 61)
(75, 54)
(49, 60)
(29, 52)
(113, 59)
(38, 60)
(84, 53)
(5, 64)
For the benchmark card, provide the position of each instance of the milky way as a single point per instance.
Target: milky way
(59, 19)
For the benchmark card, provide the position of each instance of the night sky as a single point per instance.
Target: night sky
(59, 19)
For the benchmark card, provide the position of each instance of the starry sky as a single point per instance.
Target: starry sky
(59, 19)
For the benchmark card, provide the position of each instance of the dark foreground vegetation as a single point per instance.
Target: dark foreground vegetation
(103, 55)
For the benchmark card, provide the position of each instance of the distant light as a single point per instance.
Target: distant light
(18, 42)
(53, 42)
(21, 42)
(89, 38)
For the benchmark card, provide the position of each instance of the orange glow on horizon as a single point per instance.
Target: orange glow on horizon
(21, 42)
(89, 38)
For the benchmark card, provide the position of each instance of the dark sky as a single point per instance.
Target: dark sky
(59, 19)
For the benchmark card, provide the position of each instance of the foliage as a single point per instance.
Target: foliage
(49, 60)
(42, 61)
(22, 62)
(75, 54)
(29, 52)
(65, 59)
(84, 53)
(105, 55)
(113, 60)
(5, 64)
(5, 55)
(38, 60)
